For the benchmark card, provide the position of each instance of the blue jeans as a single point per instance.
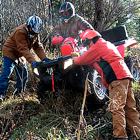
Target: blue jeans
(21, 75)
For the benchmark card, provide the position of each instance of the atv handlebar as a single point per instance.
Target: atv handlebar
(54, 62)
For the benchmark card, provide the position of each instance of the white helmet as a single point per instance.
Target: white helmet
(35, 23)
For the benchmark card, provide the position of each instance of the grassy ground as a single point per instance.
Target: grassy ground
(24, 118)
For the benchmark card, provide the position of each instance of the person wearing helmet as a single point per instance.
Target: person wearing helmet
(70, 24)
(16, 48)
(66, 11)
(106, 59)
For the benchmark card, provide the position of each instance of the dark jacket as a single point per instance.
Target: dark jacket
(19, 43)
(72, 27)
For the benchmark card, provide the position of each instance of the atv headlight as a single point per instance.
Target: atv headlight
(35, 71)
(68, 63)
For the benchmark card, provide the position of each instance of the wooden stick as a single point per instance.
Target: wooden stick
(82, 109)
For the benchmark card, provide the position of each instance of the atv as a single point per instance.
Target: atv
(58, 74)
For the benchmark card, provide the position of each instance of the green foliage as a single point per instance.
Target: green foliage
(44, 126)
(136, 87)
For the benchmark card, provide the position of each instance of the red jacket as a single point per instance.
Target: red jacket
(106, 59)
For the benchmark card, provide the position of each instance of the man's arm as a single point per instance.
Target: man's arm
(23, 46)
(87, 57)
(83, 24)
(39, 50)
(57, 30)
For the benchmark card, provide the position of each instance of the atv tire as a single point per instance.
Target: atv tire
(97, 92)
(133, 67)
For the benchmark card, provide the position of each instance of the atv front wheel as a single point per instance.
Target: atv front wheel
(96, 88)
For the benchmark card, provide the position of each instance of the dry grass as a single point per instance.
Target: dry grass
(25, 118)
(58, 118)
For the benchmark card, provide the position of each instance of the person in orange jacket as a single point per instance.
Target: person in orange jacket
(18, 45)
(106, 59)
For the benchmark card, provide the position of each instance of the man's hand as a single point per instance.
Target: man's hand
(75, 54)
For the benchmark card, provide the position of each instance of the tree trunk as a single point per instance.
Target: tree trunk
(99, 15)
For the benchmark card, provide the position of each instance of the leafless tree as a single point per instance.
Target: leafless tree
(102, 14)
(15, 12)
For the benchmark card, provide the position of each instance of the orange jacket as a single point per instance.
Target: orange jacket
(106, 59)
(18, 44)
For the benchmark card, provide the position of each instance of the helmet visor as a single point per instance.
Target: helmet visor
(64, 15)
(37, 28)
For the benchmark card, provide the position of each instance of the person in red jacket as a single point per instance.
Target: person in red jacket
(106, 59)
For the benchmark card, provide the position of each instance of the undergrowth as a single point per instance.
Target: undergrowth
(26, 119)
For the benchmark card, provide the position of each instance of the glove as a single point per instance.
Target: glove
(46, 59)
(35, 64)
(75, 54)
